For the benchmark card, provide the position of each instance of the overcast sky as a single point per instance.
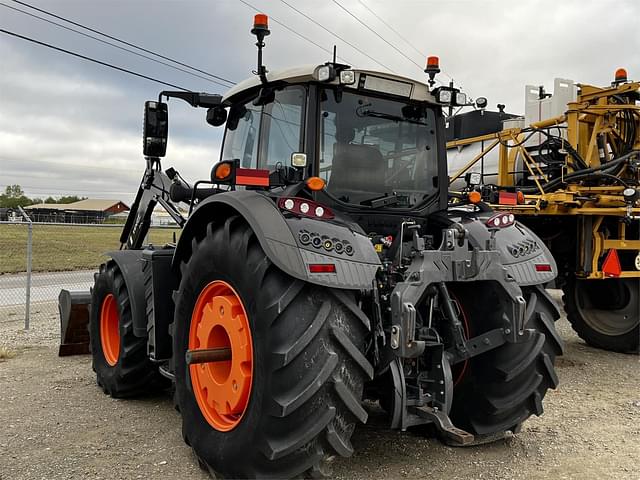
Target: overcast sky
(71, 127)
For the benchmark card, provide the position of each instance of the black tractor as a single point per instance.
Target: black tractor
(323, 264)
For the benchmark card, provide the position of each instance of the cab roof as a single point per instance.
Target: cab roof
(366, 80)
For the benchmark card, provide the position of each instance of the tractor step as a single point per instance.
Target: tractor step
(74, 310)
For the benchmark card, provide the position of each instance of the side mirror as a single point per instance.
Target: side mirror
(155, 129)
(481, 103)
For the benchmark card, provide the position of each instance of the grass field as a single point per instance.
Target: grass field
(62, 248)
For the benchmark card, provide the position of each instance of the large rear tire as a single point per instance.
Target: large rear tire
(305, 364)
(605, 313)
(120, 359)
(500, 389)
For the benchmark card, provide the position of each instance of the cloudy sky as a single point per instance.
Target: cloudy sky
(71, 127)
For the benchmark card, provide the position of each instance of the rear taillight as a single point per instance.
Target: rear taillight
(322, 268)
(501, 220)
(543, 267)
(305, 208)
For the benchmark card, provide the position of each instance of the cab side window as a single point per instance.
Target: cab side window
(282, 127)
(241, 140)
(264, 136)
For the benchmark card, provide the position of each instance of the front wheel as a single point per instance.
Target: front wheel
(119, 357)
(605, 313)
(289, 397)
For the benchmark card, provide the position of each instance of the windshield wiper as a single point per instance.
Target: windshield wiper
(387, 116)
(382, 201)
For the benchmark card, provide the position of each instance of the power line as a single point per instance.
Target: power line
(89, 59)
(422, 55)
(293, 31)
(390, 27)
(335, 35)
(114, 45)
(377, 34)
(123, 41)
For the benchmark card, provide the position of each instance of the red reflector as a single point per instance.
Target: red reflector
(543, 267)
(611, 266)
(252, 176)
(322, 268)
(508, 198)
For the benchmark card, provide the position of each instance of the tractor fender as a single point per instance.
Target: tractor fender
(520, 249)
(130, 264)
(280, 238)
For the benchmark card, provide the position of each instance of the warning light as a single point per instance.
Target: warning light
(475, 197)
(315, 183)
(260, 26)
(261, 21)
(222, 171)
(433, 64)
(621, 75)
(433, 67)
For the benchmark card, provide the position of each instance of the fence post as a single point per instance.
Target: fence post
(27, 310)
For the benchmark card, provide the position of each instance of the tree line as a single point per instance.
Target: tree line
(14, 197)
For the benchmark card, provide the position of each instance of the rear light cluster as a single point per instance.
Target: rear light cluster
(501, 220)
(305, 208)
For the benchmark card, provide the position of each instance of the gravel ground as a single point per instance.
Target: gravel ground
(56, 424)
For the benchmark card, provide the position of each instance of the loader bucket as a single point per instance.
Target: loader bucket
(74, 310)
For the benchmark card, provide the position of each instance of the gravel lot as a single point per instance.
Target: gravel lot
(56, 423)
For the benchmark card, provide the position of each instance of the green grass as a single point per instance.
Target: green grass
(62, 248)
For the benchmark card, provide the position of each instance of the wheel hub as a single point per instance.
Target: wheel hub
(222, 389)
(110, 330)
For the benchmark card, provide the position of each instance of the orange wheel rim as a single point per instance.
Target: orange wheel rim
(222, 389)
(110, 329)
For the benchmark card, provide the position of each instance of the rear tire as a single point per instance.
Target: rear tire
(500, 389)
(308, 367)
(605, 313)
(120, 359)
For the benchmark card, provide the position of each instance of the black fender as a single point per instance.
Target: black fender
(279, 237)
(130, 264)
(520, 251)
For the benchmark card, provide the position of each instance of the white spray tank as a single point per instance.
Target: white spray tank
(539, 105)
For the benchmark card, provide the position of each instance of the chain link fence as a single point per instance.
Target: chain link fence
(37, 260)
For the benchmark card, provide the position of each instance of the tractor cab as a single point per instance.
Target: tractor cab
(369, 136)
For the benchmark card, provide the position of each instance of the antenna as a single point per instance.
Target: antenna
(260, 30)
(335, 48)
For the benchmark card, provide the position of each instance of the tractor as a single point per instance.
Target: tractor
(322, 269)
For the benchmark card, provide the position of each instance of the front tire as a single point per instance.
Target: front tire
(501, 388)
(306, 363)
(119, 358)
(605, 313)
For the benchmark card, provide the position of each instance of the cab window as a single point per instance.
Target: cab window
(265, 136)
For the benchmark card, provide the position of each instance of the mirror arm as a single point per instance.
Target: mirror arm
(195, 99)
